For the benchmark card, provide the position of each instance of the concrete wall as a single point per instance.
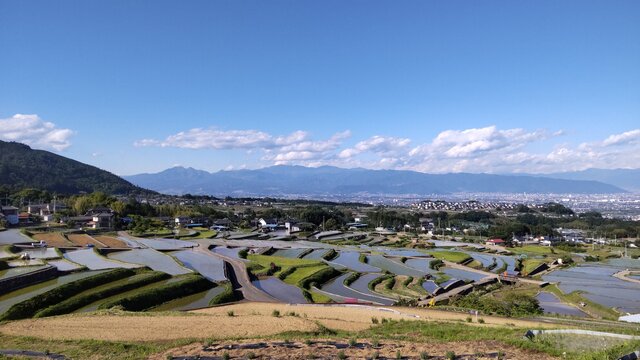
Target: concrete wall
(20, 281)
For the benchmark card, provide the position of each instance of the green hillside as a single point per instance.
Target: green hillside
(23, 167)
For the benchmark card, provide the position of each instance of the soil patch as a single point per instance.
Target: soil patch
(362, 349)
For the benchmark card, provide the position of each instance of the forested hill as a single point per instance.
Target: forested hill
(23, 167)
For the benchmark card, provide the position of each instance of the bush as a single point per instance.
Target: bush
(378, 280)
(450, 355)
(242, 254)
(363, 258)
(390, 283)
(353, 277)
(275, 313)
(226, 296)
(77, 302)
(407, 281)
(231, 313)
(374, 320)
(341, 355)
(424, 355)
(436, 264)
(30, 307)
(288, 271)
(191, 284)
(330, 255)
(319, 277)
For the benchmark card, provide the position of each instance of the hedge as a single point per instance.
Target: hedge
(80, 301)
(330, 255)
(351, 278)
(378, 280)
(157, 295)
(227, 296)
(319, 277)
(30, 307)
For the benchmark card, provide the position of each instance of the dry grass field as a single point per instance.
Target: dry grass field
(84, 240)
(53, 239)
(249, 320)
(111, 241)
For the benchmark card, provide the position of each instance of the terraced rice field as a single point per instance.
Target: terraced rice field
(350, 260)
(14, 297)
(41, 253)
(64, 265)
(393, 266)
(53, 239)
(83, 240)
(93, 261)
(15, 271)
(344, 293)
(210, 267)
(191, 302)
(152, 258)
(110, 241)
(284, 292)
(13, 236)
(94, 306)
(166, 244)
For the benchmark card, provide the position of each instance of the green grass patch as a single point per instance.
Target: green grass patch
(302, 272)
(453, 256)
(228, 295)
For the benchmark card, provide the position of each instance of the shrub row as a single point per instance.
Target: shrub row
(330, 255)
(407, 281)
(390, 283)
(363, 258)
(157, 295)
(226, 296)
(378, 280)
(436, 264)
(319, 277)
(77, 302)
(286, 272)
(30, 307)
(353, 277)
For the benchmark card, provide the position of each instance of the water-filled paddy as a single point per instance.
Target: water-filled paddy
(350, 260)
(289, 253)
(191, 302)
(64, 265)
(151, 258)
(462, 274)
(93, 261)
(166, 244)
(316, 254)
(13, 236)
(15, 271)
(280, 290)
(14, 297)
(552, 305)
(393, 266)
(228, 252)
(208, 266)
(430, 286)
(362, 284)
(41, 253)
(337, 287)
(599, 285)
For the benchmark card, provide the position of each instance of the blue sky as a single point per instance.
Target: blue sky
(434, 86)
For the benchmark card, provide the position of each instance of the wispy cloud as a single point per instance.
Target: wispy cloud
(484, 149)
(32, 130)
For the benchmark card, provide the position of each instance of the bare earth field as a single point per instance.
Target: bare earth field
(83, 240)
(53, 239)
(110, 241)
(363, 349)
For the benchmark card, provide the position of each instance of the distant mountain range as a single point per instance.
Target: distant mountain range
(628, 179)
(22, 167)
(299, 180)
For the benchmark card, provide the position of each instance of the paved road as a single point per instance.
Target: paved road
(239, 276)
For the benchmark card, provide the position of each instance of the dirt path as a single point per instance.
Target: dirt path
(623, 275)
(240, 275)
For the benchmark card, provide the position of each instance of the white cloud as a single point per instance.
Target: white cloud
(629, 137)
(485, 149)
(376, 144)
(33, 131)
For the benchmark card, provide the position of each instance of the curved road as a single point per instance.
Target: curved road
(249, 291)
